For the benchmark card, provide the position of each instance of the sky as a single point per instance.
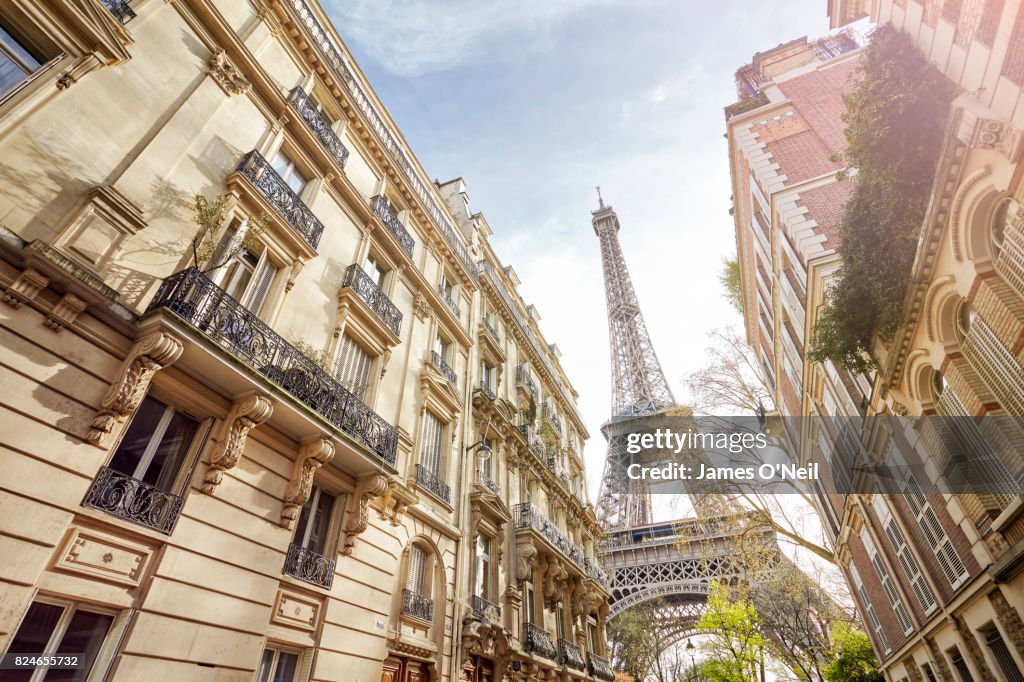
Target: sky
(536, 102)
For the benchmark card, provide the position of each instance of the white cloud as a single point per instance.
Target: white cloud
(411, 38)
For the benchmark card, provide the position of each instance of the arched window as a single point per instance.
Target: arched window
(417, 595)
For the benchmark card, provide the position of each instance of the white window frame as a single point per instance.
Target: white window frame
(869, 609)
(888, 584)
(301, 665)
(904, 554)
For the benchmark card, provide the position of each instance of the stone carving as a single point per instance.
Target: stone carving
(357, 513)
(311, 457)
(147, 356)
(526, 561)
(68, 308)
(228, 77)
(421, 308)
(482, 637)
(1009, 618)
(245, 414)
(554, 579)
(973, 648)
(396, 501)
(990, 133)
(25, 288)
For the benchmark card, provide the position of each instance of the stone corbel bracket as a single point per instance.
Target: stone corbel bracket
(226, 74)
(312, 456)
(245, 414)
(396, 501)
(357, 512)
(149, 355)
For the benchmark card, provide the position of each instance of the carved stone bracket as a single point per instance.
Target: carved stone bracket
(357, 513)
(227, 75)
(421, 308)
(526, 561)
(67, 310)
(147, 356)
(990, 133)
(25, 288)
(482, 637)
(396, 501)
(311, 457)
(245, 414)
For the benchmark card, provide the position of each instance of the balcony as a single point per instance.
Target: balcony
(537, 640)
(308, 566)
(548, 414)
(600, 668)
(488, 482)
(366, 289)
(265, 179)
(446, 296)
(560, 473)
(528, 517)
(133, 500)
(534, 441)
(191, 296)
(387, 215)
(492, 330)
(524, 382)
(485, 609)
(121, 10)
(437, 361)
(486, 389)
(320, 126)
(417, 606)
(569, 654)
(429, 481)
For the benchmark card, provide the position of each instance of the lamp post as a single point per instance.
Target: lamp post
(691, 650)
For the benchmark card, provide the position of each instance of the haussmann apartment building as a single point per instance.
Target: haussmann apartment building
(320, 437)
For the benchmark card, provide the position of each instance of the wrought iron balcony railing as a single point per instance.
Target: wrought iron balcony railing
(548, 414)
(208, 309)
(320, 126)
(524, 380)
(492, 330)
(121, 10)
(560, 473)
(432, 483)
(295, 212)
(417, 606)
(600, 668)
(482, 607)
(487, 390)
(133, 500)
(594, 572)
(569, 654)
(384, 211)
(527, 516)
(446, 296)
(308, 566)
(533, 440)
(537, 640)
(437, 361)
(365, 288)
(488, 482)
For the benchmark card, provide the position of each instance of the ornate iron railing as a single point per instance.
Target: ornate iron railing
(537, 640)
(527, 516)
(308, 566)
(492, 330)
(320, 126)
(295, 212)
(488, 482)
(387, 216)
(417, 606)
(333, 56)
(600, 668)
(487, 390)
(365, 288)
(482, 607)
(569, 654)
(560, 473)
(133, 500)
(207, 308)
(121, 10)
(437, 361)
(595, 572)
(524, 379)
(431, 482)
(447, 298)
(533, 440)
(548, 413)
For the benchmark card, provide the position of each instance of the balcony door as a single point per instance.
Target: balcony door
(243, 274)
(154, 447)
(311, 532)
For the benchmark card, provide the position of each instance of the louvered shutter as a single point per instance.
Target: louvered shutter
(229, 243)
(869, 609)
(887, 583)
(353, 367)
(430, 448)
(414, 572)
(904, 554)
(258, 289)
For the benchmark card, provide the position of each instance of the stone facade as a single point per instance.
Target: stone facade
(324, 439)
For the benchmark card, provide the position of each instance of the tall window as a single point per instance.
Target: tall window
(869, 609)
(353, 367)
(487, 465)
(240, 272)
(278, 666)
(314, 524)
(489, 377)
(960, 665)
(54, 628)
(888, 585)
(904, 554)
(18, 57)
(530, 608)
(289, 172)
(416, 573)
(482, 586)
(375, 271)
(430, 445)
(1004, 659)
(154, 446)
(443, 349)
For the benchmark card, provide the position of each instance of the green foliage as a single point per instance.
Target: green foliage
(734, 644)
(854, 658)
(209, 215)
(895, 120)
(732, 282)
(318, 356)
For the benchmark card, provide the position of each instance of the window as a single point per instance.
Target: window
(443, 349)
(489, 377)
(375, 271)
(430, 445)
(482, 586)
(53, 627)
(888, 585)
(904, 554)
(289, 172)
(416, 573)
(1004, 660)
(869, 609)
(530, 613)
(960, 665)
(312, 530)
(446, 287)
(239, 271)
(928, 673)
(278, 666)
(353, 367)
(18, 57)
(560, 621)
(486, 465)
(154, 446)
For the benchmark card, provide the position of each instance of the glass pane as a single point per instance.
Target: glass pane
(321, 523)
(286, 666)
(266, 666)
(171, 451)
(137, 437)
(10, 72)
(84, 636)
(238, 274)
(32, 636)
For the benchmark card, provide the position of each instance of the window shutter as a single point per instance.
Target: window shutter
(353, 367)
(887, 583)
(430, 449)
(869, 609)
(260, 286)
(414, 573)
(904, 554)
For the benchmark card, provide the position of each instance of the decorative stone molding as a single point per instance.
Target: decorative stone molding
(526, 561)
(357, 513)
(1009, 618)
(97, 555)
(245, 414)
(421, 308)
(396, 501)
(485, 638)
(227, 75)
(25, 288)
(311, 457)
(990, 133)
(149, 355)
(67, 310)
(296, 610)
(973, 648)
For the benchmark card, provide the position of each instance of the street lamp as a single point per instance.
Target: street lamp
(691, 650)
(483, 450)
